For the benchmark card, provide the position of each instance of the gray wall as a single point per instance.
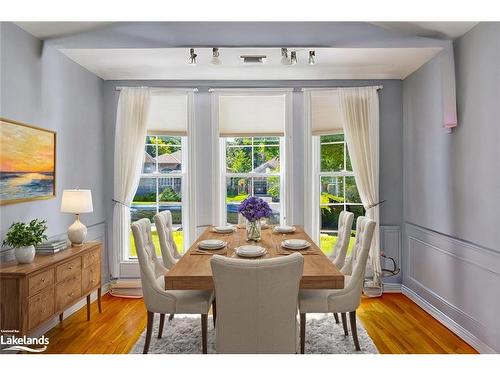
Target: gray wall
(452, 189)
(391, 119)
(42, 87)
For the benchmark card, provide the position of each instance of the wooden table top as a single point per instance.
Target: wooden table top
(193, 271)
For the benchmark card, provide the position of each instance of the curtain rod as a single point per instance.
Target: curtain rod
(261, 89)
(378, 87)
(157, 88)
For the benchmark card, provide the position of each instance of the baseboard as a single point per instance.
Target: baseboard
(449, 323)
(47, 326)
(392, 288)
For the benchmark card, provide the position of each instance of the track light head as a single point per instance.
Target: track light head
(215, 57)
(192, 57)
(284, 56)
(293, 57)
(312, 57)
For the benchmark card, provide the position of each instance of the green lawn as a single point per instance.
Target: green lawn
(237, 198)
(178, 239)
(326, 243)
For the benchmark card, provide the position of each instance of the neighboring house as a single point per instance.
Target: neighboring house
(167, 163)
(261, 184)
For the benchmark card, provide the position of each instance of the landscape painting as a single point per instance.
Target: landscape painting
(27, 162)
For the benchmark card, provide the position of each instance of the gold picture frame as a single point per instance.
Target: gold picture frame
(27, 162)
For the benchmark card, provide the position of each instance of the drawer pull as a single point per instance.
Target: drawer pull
(70, 267)
(71, 294)
(43, 279)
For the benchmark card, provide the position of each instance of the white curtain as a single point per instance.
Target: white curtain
(130, 136)
(359, 108)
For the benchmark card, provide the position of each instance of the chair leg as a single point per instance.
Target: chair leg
(302, 333)
(160, 328)
(99, 305)
(344, 323)
(149, 331)
(354, 330)
(170, 317)
(204, 323)
(88, 307)
(214, 312)
(336, 316)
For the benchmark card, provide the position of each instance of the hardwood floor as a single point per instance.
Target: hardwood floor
(394, 322)
(399, 326)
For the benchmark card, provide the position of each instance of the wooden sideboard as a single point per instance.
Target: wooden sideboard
(31, 294)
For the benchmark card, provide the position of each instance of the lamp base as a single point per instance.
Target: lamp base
(77, 232)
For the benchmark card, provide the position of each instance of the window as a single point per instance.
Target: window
(252, 168)
(160, 186)
(338, 189)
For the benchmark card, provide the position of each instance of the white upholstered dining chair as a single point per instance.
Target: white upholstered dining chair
(257, 304)
(345, 300)
(343, 237)
(157, 299)
(169, 251)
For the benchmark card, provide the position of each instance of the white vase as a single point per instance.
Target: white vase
(25, 254)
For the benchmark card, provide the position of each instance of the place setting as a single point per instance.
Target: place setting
(289, 246)
(210, 247)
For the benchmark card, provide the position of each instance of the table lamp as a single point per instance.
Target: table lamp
(77, 202)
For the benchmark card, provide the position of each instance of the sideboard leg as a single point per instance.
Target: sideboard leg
(88, 307)
(61, 317)
(99, 299)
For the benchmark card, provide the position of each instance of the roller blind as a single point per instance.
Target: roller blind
(325, 113)
(168, 113)
(243, 115)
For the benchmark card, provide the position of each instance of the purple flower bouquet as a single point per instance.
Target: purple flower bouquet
(253, 209)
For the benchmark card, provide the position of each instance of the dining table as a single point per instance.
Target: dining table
(193, 270)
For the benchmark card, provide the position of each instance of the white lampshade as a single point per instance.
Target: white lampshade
(76, 201)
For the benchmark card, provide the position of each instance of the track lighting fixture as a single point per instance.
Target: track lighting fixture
(312, 57)
(192, 57)
(215, 57)
(293, 57)
(284, 56)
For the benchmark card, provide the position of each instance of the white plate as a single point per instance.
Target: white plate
(284, 229)
(250, 251)
(211, 244)
(295, 244)
(224, 229)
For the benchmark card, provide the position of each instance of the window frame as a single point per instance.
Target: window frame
(318, 175)
(224, 174)
(182, 174)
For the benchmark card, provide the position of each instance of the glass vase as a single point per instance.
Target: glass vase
(253, 230)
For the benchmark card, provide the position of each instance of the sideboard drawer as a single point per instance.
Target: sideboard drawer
(68, 269)
(68, 291)
(40, 307)
(40, 281)
(91, 277)
(91, 257)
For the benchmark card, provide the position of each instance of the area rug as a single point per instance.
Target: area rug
(182, 335)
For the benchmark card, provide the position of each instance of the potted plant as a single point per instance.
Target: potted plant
(23, 238)
(253, 209)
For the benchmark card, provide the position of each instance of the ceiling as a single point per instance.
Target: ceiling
(172, 63)
(441, 30)
(44, 30)
(449, 30)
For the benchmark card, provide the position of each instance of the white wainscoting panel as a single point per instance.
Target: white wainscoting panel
(461, 282)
